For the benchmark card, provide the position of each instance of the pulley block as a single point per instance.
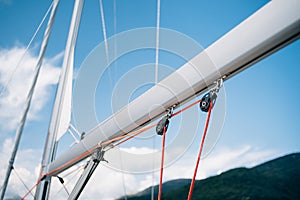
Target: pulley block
(162, 124)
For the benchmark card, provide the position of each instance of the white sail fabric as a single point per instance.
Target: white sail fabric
(63, 104)
(66, 99)
(61, 113)
(62, 107)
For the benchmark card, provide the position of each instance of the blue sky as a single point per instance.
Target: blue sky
(262, 107)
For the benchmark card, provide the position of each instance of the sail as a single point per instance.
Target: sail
(63, 104)
(61, 113)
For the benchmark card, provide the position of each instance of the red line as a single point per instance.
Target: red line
(38, 182)
(162, 163)
(200, 151)
(187, 107)
(93, 149)
(139, 132)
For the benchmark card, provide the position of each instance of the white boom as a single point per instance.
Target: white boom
(269, 29)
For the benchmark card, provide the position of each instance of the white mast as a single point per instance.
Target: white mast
(29, 96)
(272, 27)
(61, 113)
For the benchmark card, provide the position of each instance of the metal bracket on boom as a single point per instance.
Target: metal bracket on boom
(218, 85)
(89, 169)
(211, 96)
(163, 124)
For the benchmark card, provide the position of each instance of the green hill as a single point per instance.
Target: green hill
(276, 179)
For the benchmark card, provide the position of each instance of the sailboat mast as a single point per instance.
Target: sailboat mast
(61, 113)
(29, 97)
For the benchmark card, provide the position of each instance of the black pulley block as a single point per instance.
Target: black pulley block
(164, 122)
(206, 100)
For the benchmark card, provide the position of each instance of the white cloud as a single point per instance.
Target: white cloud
(136, 150)
(12, 102)
(13, 99)
(27, 161)
(108, 183)
(218, 161)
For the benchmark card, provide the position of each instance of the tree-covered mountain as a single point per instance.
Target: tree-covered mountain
(276, 179)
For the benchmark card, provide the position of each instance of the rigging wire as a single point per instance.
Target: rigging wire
(77, 172)
(19, 177)
(153, 166)
(31, 189)
(157, 41)
(156, 80)
(38, 66)
(120, 140)
(122, 175)
(64, 186)
(39, 181)
(25, 52)
(115, 74)
(105, 41)
(71, 172)
(61, 180)
(115, 40)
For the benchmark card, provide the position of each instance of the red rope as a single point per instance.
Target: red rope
(137, 133)
(185, 108)
(162, 163)
(29, 191)
(85, 154)
(200, 151)
(113, 140)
